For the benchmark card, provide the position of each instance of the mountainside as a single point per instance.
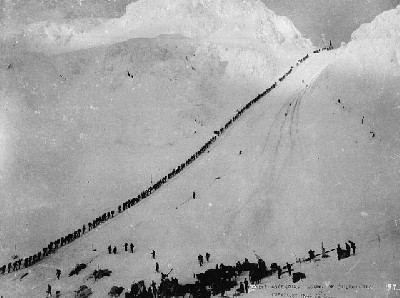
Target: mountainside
(315, 160)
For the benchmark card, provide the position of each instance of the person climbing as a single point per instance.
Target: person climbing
(353, 246)
(115, 250)
(109, 249)
(58, 273)
(289, 268)
(132, 246)
(279, 272)
(153, 254)
(200, 259)
(157, 267)
(246, 285)
(207, 257)
(126, 246)
(83, 229)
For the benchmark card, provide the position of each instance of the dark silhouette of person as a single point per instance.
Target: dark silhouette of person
(339, 252)
(132, 246)
(58, 273)
(126, 246)
(353, 246)
(207, 257)
(157, 267)
(347, 250)
(279, 272)
(289, 268)
(109, 249)
(115, 250)
(194, 195)
(241, 288)
(48, 291)
(311, 254)
(153, 254)
(246, 285)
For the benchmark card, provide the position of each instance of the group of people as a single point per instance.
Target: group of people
(113, 250)
(200, 258)
(324, 48)
(345, 253)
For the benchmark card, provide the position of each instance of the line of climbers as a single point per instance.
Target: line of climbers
(54, 245)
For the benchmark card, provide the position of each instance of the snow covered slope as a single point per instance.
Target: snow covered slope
(317, 160)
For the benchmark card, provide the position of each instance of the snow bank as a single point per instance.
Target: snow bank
(375, 46)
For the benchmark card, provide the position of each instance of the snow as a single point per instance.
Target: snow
(319, 155)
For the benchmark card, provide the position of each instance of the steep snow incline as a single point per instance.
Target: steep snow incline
(226, 184)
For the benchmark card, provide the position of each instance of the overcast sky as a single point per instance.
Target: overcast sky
(337, 19)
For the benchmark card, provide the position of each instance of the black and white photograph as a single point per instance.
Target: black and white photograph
(199, 148)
